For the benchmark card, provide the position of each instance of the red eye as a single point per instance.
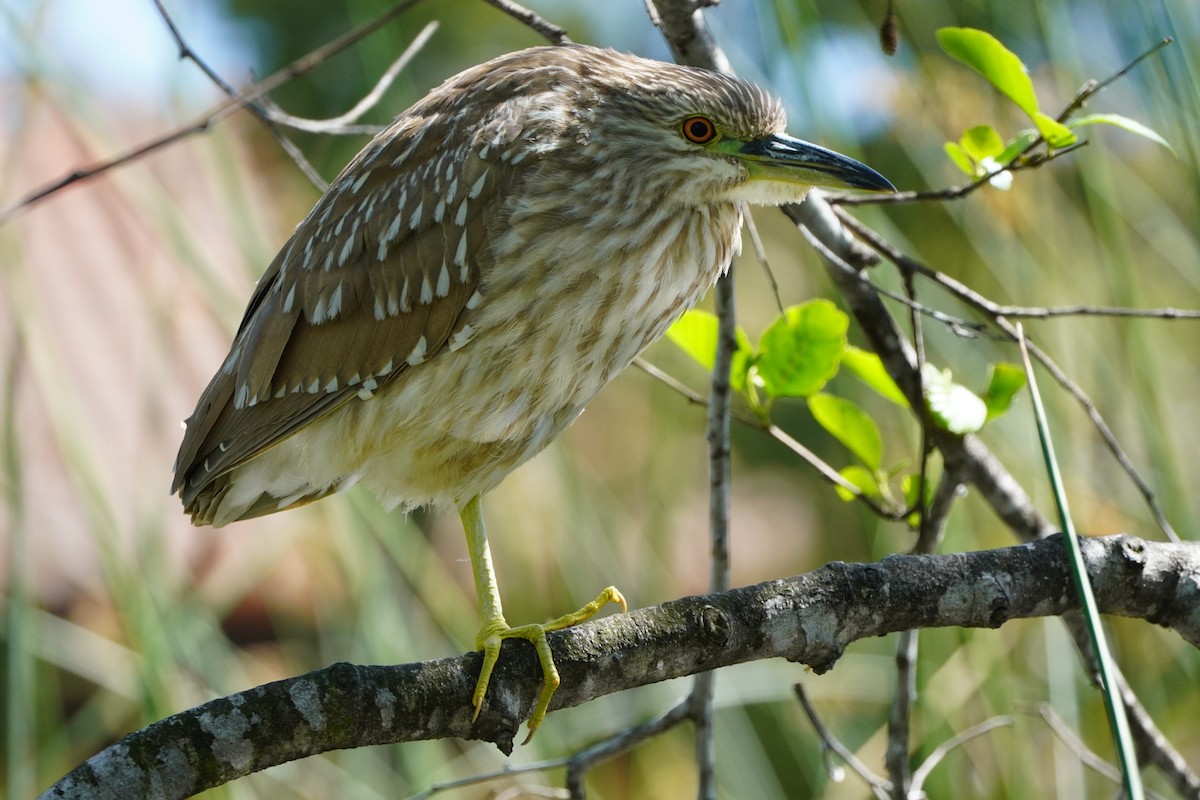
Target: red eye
(699, 130)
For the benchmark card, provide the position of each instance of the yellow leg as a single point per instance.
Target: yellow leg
(495, 630)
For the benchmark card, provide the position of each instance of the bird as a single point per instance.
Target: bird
(474, 276)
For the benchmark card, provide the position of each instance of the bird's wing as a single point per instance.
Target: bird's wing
(374, 280)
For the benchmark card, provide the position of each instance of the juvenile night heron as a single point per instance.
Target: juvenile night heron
(474, 276)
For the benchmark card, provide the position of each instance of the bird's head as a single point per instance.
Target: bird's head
(705, 136)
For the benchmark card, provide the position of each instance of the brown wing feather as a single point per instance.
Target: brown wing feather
(376, 272)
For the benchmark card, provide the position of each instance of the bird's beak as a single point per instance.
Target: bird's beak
(782, 158)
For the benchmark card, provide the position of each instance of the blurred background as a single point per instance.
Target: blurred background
(118, 299)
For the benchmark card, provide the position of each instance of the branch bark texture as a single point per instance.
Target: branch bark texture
(809, 618)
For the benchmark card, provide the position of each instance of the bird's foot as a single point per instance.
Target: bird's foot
(496, 630)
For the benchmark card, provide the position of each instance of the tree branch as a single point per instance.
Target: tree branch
(809, 618)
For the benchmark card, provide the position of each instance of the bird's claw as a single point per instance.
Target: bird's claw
(495, 631)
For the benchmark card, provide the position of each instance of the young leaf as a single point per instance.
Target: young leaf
(910, 484)
(868, 368)
(982, 142)
(850, 425)
(1054, 132)
(743, 360)
(959, 157)
(696, 334)
(954, 408)
(1016, 147)
(801, 349)
(1125, 123)
(1005, 381)
(983, 53)
(861, 477)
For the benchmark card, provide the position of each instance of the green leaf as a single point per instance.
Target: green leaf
(743, 360)
(696, 334)
(985, 54)
(851, 426)
(959, 157)
(1016, 147)
(868, 368)
(800, 351)
(981, 142)
(861, 477)
(954, 408)
(1125, 123)
(910, 484)
(1005, 381)
(1054, 132)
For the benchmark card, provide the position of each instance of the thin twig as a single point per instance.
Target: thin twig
(948, 490)
(946, 747)
(579, 763)
(760, 254)
(827, 472)
(880, 787)
(973, 298)
(1154, 747)
(486, 777)
(953, 192)
(908, 264)
(252, 93)
(1092, 88)
(1086, 755)
(1021, 161)
(905, 782)
(900, 716)
(344, 123)
(553, 33)
(959, 326)
(256, 109)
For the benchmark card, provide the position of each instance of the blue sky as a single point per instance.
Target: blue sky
(120, 48)
(121, 51)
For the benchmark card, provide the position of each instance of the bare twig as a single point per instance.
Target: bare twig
(960, 326)
(252, 93)
(948, 746)
(581, 762)
(954, 192)
(996, 312)
(827, 472)
(507, 771)
(1089, 758)
(1155, 748)
(1092, 88)
(905, 782)
(880, 787)
(900, 716)
(257, 109)
(553, 33)
(993, 309)
(760, 254)
(344, 123)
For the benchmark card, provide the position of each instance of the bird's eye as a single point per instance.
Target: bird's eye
(699, 130)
